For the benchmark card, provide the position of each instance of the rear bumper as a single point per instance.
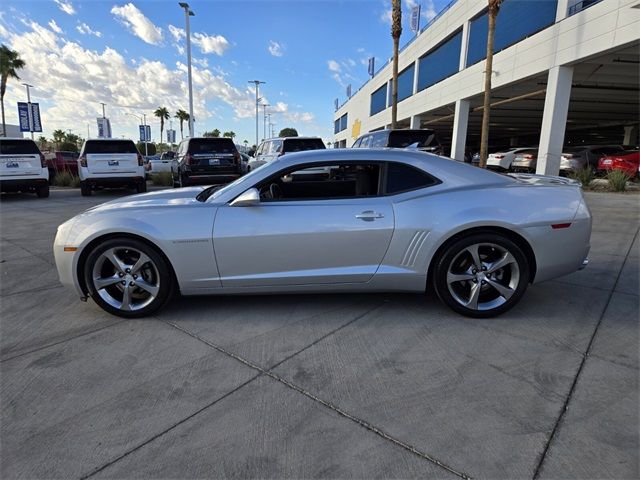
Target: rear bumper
(114, 181)
(22, 184)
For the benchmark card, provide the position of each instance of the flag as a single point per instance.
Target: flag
(372, 66)
(415, 19)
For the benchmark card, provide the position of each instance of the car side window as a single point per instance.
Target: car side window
(402, 178)
(357, 144)
(379, 140)
(323, 182)
(265, 148)
(276, 146)
(366, 141)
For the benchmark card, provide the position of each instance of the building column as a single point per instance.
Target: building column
(416, 67)
(554, 120)
(630, 135)
(460, 122)
(562, 9)
(465, 46)
(415, 122)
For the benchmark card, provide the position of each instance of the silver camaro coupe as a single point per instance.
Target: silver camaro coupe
(342, 220)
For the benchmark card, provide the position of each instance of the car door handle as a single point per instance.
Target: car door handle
(369, 215)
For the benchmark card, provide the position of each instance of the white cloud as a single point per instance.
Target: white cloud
(334, 66)
(54, 26)
(130, 16)
(85, 29)
(276, 49)
(177, 33)
(66, 7)
(430, 12)
(210, 43)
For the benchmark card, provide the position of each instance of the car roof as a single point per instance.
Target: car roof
(292, 138)
(17, 138)
(108, 140)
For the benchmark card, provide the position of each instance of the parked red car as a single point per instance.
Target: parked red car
(627, 161)
(60, 161)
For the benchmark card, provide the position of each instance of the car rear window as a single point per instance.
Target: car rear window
(70, 155)
(13, 147)
(302, 144)
(110, 146)
(211, 145)
(402, 139)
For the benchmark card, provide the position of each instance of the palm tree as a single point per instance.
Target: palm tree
(494, 8)
(58, 137)
(163, 114)
(230, 134)
(10, 63)
(396, 31)
(42, 142)
(183, 117)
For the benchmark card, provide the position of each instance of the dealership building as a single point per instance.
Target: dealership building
(565, 72)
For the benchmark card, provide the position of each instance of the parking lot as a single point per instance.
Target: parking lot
(323, 386)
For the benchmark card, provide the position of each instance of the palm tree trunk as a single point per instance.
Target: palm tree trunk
(394, 85)
(181, 133)
(4, 124)
(161, 129)
(484, 137)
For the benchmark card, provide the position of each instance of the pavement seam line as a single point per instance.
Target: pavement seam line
(363, 423)
(62, 341)
(168, 429)
(585, 355)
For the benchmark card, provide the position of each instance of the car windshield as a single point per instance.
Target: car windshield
(301, 144)
(404, 138)
(12, 147)
(211, 145)
(216, 190)
(110, 146)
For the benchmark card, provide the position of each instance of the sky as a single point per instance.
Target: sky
(131, 56)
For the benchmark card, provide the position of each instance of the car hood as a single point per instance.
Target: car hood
(160, 198)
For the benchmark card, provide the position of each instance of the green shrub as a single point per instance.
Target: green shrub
(617, 180)
(584, 175)
(66, 179)
(163, 179)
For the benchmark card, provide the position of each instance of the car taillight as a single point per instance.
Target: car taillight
(236, 158)
(498, 156)
(83, 161)
(140, 160)
(188, 159)
(568, 156)
(43, 162)
(528, 157)
(149, 166)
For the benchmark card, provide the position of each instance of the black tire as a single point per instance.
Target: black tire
(43, 192)
(514, 277)
(184, 181)
(141, 187)
(165, 280)
(85, 190)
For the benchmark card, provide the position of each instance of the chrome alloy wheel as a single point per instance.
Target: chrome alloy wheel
(126, 278)
(483, 276)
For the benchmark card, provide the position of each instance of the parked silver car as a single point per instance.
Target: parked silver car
(271, 149)
(383, 220)
(576, 158)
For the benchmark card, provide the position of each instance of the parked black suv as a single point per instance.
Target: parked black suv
(401, 138)
(206, 161)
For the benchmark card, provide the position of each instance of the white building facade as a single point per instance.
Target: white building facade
(561, 69)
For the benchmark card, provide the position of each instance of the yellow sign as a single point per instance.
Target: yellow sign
(355, 130)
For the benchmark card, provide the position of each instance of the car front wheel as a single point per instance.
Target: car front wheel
(481, 275)
(128, 278)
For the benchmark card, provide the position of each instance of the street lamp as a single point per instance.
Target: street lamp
(188, 13)
(265, 105)
(257, 84)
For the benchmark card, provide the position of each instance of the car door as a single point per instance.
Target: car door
(303, 241)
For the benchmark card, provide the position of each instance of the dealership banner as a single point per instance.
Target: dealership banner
(171, 136)
(36, 124)
(23, 115)
(372, 66)
(415, 19)
(145, 133)
(104, 127)
(349, 91)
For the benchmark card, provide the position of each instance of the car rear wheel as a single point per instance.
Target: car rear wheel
(481, 275)
(43, 191)
(184, 181)
(85, 190)
(141, 187)
(128, 278)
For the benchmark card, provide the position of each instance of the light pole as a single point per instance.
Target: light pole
(142, 119)
(103, 105)
(257, 84)
(265, 105)
(188, 13)
(29, 112)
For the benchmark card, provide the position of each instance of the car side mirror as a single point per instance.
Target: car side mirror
(250, 198)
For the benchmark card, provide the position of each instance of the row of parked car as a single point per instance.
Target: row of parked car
(600, 158)
(208, 160)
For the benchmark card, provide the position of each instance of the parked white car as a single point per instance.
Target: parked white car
(502, 160)
(273, 148)
(110, 162)
(23, 167)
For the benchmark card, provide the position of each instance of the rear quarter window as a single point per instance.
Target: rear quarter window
(110, 146)
(403, 178)
(403, 139)
(16, 147)
(211, 145)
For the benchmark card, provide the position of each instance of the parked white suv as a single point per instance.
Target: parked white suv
(23, 167)
(502, 160)
(110, 162)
